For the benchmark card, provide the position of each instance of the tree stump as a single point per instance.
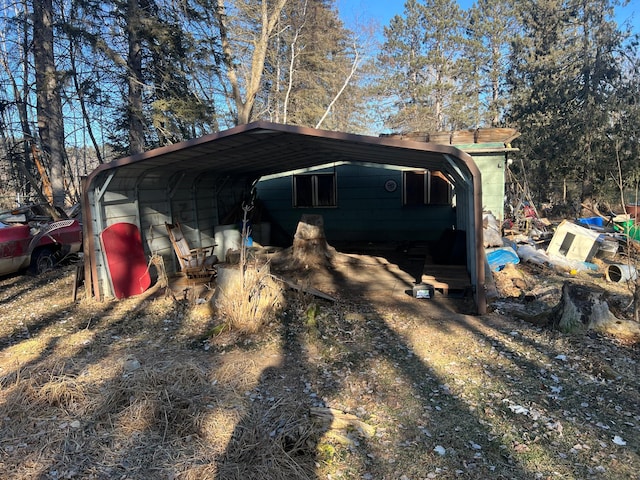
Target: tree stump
(581, 308)
(310, 247)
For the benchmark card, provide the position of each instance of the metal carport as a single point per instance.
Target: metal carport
(194, 181)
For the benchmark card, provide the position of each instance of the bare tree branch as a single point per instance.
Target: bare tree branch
(354, 69)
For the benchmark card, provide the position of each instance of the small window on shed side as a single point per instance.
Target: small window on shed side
(423, 187)
(314, 190)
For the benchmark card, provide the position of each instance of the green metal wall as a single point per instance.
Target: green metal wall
(492, 169)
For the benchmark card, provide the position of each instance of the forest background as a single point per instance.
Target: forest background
(85, 82)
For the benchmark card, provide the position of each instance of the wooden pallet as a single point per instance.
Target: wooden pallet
(447, 277)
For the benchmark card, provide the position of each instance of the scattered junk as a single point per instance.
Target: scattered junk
(573, 247)
(633, 210)
(524, 218)
(591, 222)
(498, 258)
(621, 273)
(574, 242)
(608, 249)
(625, 224)
(492, 237)
(599, 247)
(423, 290)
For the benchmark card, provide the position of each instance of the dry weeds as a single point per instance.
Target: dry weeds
(249, 300)
(136, 389)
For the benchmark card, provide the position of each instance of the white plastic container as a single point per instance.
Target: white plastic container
(423, 291)
(227, 238)
(621, 273)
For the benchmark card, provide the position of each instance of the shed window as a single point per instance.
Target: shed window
(423, 187)
(316, 190)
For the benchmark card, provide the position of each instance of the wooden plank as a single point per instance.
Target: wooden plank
(446, 277)
(310, 290)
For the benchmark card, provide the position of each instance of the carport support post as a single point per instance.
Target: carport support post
(480, 294)
(473, 212)
(91, 281)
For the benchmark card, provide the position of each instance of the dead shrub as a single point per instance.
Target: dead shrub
(248, 301)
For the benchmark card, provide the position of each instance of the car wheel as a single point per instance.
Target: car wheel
(42, 260)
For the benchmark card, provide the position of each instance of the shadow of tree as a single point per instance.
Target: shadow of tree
(134, 393)
(277, 438)
(381, 377)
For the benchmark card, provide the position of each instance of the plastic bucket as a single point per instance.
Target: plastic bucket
(623, 226)
(620, 273)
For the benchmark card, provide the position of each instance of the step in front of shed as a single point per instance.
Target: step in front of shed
(449, 279)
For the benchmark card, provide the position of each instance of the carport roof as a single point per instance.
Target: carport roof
(264, 148)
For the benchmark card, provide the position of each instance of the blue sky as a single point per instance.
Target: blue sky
(362, 11)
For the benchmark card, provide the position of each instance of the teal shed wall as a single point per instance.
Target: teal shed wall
(365, 210)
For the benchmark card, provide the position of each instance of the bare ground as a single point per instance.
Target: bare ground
(373, 386)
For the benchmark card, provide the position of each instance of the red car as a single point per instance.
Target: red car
(31, 239)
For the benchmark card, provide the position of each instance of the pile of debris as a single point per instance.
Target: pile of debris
(580, 254)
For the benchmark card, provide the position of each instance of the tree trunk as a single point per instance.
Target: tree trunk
(135, 79)
(581, 308)
(49, 104)
(310, 247)
(268, 21)
(81, 99)
(636, 302)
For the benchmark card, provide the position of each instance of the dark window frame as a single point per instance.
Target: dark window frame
(315, 190)
(425, 187)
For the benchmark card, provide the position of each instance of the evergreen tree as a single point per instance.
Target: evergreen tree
(490, 28)
(176, 111)
(309, 68)
(623, 129)
(563, 68)
(420, 65)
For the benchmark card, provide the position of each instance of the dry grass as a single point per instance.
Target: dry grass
(245, 303)
(135, 389)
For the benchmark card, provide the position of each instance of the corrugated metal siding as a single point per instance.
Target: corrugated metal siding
(492, 169)
(151, 199)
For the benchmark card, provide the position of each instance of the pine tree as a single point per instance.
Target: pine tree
(562, 69)
(490, 27)
(420, 61)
